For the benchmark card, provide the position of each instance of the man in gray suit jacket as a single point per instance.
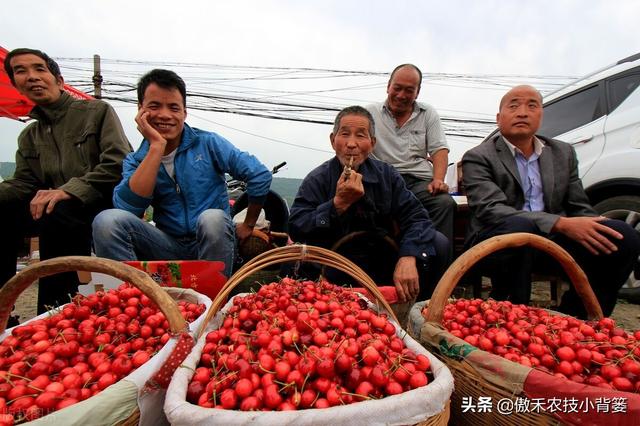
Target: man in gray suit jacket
(519, 182)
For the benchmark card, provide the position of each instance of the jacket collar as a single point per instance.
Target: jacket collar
(545, 162)
(53, 112)
(505, 156)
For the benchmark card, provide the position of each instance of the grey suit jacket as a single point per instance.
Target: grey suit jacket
(494, 191)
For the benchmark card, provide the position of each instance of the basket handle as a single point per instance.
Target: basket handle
(469, 258)
(16, 285)
(357, 235)
(291, 253)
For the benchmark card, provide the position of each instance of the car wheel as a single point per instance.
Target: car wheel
(627, 209)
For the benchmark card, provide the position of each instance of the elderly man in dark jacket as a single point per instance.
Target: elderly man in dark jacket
(353, 192)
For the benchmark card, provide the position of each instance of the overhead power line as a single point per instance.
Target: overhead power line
(299, 94)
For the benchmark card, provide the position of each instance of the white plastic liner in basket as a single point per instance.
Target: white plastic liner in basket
(409, 407)
(117, 402)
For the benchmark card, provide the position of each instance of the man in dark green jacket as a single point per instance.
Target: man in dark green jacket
(67, 165)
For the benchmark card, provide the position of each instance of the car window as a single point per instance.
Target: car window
(621, 88)
(571, 112)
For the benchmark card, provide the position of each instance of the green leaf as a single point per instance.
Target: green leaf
(455, 351)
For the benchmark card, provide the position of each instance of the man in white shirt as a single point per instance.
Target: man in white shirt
(410, 138)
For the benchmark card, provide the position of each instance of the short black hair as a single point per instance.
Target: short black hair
(51, 64)
(165, 79)
(407, 65)
(355, 110)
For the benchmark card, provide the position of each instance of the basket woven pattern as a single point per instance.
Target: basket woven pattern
(468, 381)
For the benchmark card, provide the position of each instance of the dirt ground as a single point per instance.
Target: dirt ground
(627, 315)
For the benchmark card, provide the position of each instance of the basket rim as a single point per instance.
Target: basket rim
(23, 279)
(296, 252)
(469, 258)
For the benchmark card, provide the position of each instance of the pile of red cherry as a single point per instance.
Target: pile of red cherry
(595, 353)
(87, 345)
(296, 345)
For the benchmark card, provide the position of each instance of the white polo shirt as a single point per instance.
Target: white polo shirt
(406, 147)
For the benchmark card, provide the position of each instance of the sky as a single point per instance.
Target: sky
(501, 37)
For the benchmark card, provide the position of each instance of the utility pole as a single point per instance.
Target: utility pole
(97, 77)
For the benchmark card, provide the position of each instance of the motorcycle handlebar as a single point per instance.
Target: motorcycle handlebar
(238, 184)
(278, 167)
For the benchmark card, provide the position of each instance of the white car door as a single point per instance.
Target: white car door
(578, 119)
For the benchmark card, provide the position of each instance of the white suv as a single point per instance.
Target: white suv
(599, 115)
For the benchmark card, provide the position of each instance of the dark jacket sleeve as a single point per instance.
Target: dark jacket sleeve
(312, 213)
(24, 182)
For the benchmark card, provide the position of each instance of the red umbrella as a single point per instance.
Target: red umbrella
(12, 103)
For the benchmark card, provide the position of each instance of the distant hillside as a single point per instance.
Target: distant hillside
(7, 169)
(286, 187)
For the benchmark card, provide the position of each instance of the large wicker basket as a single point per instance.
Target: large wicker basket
(291, 254)
(481, 374)
(16, 285)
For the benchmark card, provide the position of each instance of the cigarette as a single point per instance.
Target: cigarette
(347, 169)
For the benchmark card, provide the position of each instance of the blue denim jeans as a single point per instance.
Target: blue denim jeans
(121, 235)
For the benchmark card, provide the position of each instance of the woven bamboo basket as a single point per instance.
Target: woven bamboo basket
(304, 253)
(468, 381)
(16, 285)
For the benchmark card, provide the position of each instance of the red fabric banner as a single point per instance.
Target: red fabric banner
(203, 276)
(579, 404)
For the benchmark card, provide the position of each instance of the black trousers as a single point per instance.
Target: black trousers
(512, 268)
(441, 207)
(64, 232)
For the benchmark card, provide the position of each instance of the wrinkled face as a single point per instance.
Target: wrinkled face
(403, 90)
(34, 80)
(166, 111)
(353, 140)
(520, 113)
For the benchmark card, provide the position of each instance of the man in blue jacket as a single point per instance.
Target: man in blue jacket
(180, 171)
